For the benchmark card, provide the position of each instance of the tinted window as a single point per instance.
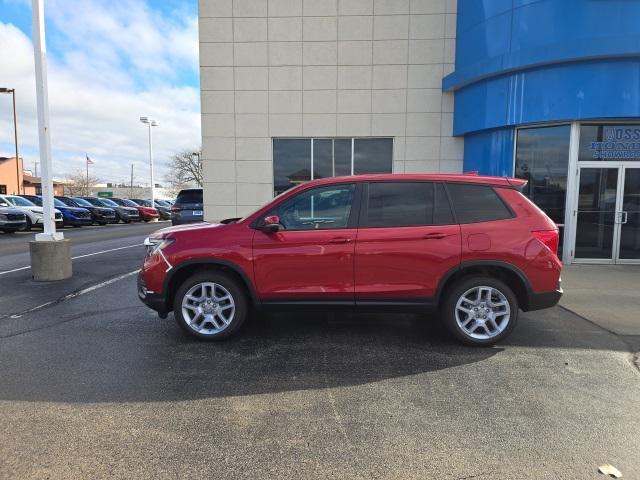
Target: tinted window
(442, 214)
(81, 202)
(66, 201)
(101, 202)
(477, 203)
(189, 196)
(317, 209)
(400, 204)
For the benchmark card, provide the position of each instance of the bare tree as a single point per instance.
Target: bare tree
(185, 170)
(78, 183)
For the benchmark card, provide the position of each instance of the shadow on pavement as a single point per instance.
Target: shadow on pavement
(143, 359)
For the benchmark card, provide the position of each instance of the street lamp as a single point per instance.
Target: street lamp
(12, 91)
(150, 123)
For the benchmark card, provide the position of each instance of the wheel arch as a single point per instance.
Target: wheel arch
(181, 272)
(507, 272)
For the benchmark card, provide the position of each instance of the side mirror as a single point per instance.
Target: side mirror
(270, 224)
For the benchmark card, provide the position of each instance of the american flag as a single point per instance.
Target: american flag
(89, 161)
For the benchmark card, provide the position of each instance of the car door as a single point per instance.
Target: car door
(407, 240)
(311, 257)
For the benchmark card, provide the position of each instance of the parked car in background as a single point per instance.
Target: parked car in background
(99, 215)
(188, 207)
(71, 216)
(33, 212)
(472, 248)
(164, 212)
(11, 219)
(146, 213)
(123, 214)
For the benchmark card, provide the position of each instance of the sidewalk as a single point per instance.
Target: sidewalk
(608, 295)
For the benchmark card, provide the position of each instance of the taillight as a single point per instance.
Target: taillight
(175, 209)
(550, 238)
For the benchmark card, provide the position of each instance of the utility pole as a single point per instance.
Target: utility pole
(15, 133)
(131, 184)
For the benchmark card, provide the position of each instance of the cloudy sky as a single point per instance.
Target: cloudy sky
(109, 62)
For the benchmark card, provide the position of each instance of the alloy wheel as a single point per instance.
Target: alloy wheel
(208, 308)
(482, 312)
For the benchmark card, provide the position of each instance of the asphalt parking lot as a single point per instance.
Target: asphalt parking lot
(94, 385)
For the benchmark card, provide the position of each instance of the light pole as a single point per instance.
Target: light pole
(12, 91)
(150, 123)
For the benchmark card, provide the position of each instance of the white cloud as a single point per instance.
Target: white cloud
(113, 63)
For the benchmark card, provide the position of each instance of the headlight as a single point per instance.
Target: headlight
(154, 245)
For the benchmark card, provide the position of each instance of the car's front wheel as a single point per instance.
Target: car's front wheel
(210, 305)
(480, 310)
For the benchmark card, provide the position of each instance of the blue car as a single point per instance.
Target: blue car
(71, 216)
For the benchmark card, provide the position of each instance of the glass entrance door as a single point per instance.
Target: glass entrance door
(608, 215)
(629, 217)
(596, 215)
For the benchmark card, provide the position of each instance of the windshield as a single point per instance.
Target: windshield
(81, 202)
(21, 202)
(67, 201)
(36, 200)
(129, 203)
(105, 202)
(144, 203)
(58, 203)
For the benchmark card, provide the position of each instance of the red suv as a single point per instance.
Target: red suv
(473, 247)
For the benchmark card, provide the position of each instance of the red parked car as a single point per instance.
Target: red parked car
(146, 213)
(472, 247)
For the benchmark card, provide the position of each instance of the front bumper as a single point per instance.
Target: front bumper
(154, 301)
(78, 221)
(13, 226)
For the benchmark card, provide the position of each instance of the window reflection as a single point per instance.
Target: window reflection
(542, 158)
(300, 160)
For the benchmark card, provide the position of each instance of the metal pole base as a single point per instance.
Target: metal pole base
(50, 260)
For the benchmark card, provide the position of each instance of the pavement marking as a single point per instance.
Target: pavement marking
(75, 294)
(79, 256)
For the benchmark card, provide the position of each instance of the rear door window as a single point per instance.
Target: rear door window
(407, 204)
(477, 203)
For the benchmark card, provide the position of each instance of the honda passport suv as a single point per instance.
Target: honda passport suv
(472, 247)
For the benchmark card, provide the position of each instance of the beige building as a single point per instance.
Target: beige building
(300, 89)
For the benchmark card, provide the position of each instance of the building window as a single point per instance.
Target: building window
(542, 158)
(297, 160)
(38, 189)
(609, 142)
(3, 189)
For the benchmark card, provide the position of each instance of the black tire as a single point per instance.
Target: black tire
(235, 289)
(457, 290)
(29, 225)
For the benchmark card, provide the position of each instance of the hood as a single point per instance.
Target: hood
(73, 209)
(189, 227)
(12, 210)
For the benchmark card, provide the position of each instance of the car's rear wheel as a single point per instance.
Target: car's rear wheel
(210, 305)
(480, 310)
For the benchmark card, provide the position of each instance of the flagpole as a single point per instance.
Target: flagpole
(50, 254)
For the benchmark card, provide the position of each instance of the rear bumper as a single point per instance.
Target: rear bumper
(539, 301)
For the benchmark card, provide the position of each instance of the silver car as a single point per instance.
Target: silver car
(12, 220)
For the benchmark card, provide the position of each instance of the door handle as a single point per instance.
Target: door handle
(434, 236)
(340, 240)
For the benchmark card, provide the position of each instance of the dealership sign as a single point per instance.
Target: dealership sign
(618, 143)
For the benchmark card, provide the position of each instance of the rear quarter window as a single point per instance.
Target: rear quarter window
(477, 203)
